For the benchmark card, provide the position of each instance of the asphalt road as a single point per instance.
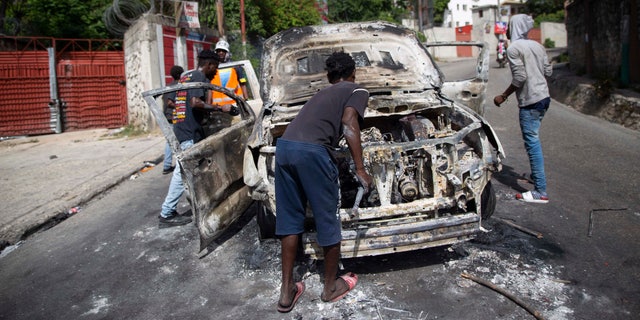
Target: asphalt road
(110, 261)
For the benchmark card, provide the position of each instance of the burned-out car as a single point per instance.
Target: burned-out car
(431, 158)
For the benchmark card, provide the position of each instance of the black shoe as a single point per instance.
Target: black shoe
(173, 221)
(168, 170)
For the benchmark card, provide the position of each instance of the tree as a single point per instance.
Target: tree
(366, 10)
(439, 6)
(263, 18)
(231, 8)
(11, 15)
(65, 18)
(546, 10)
(279, 15)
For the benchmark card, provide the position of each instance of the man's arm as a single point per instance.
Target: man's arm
(499, 99)
(198, 103)
(351, 130)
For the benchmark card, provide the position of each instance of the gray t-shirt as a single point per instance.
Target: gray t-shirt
(320, 120)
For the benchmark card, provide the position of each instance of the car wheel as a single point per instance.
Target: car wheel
(266, 223)
(488, 201)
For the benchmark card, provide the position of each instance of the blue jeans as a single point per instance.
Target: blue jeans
(530, 119)
(168, 156)
(176, 188)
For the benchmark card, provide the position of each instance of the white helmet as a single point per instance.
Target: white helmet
(223, 45)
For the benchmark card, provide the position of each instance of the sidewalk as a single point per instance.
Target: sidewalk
(44, 177)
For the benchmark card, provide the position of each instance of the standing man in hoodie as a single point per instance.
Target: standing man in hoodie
(529, 66)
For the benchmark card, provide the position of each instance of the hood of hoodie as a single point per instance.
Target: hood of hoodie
(519, 26)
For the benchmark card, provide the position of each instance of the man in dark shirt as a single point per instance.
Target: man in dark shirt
(306, 171)
(188, 130)
(169, 109)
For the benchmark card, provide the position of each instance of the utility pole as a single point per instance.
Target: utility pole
(181, 43)
(220, 16)
(242, 30)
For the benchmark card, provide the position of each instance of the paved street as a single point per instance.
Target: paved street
(110, 261)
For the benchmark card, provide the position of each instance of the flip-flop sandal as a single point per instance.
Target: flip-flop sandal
(351, 279)
(300, 289)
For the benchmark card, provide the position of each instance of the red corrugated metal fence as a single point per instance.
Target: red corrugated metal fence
(90, 81)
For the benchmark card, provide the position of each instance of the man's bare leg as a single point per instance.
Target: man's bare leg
(332, 286)
(289, 247)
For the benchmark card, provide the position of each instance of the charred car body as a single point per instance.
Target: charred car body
(431, 158)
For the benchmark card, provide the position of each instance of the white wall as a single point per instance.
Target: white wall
(457, 15)
(439, 34)
(142, 70)
(554, 31)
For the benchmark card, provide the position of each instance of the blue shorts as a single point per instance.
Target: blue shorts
(306, 172)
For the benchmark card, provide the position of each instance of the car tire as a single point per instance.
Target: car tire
(488, 201)
(266, 223)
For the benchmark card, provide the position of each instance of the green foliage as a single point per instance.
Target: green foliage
(548, 43)
(546, 10)
(65, 18)
(263, 18)
(279, 15)
(563, 57)
(536, 7)
(367, 10)
(557, 16)
(439, 7)
(253, 21)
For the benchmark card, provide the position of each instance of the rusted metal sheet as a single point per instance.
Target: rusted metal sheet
(92, 91)
(88, 91)
(24, 98)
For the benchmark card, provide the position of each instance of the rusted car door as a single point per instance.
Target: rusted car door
(212, 169)
(471, 91)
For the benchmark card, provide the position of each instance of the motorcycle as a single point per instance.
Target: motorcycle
(502, 51)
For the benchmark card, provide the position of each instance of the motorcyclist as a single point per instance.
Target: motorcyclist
(502, 52)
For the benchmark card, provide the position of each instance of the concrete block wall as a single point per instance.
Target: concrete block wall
(594, 36)
(143, 72)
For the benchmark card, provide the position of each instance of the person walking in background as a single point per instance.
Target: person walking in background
(529, 66)
(305, 171)
(169, 109)
(188, 130)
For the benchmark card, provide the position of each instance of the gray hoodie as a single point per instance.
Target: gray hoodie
(528, 61)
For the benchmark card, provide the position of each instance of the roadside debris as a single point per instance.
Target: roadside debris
(521, 228)
(505, 293)
(147, 166)
(590, 232)
(73, 210)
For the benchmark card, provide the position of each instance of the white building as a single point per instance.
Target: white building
(458, 13)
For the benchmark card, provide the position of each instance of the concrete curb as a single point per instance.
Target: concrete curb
(618, 106)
